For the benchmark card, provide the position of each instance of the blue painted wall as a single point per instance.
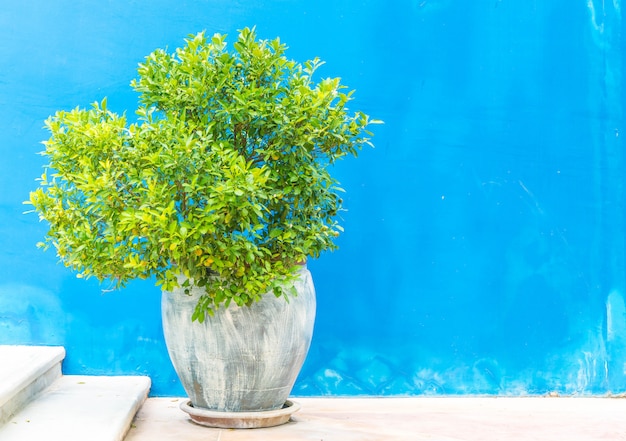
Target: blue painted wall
(484, 249)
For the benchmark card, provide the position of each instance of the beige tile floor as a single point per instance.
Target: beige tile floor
(373, 419)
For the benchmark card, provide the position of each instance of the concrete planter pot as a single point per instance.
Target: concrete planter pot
(243, 359)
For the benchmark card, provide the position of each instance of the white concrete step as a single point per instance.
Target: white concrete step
(80, 408)
(24, 372)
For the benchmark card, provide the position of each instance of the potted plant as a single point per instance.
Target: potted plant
(220, 190)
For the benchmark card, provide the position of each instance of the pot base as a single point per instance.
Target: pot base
(240, 420)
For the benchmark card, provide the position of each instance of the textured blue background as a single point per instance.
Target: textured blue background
(484, 249)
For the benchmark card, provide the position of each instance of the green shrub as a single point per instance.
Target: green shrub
(223, 180)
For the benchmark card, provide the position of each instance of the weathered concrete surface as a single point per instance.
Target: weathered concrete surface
(79, 408)
(377, 419)
(24, 372)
